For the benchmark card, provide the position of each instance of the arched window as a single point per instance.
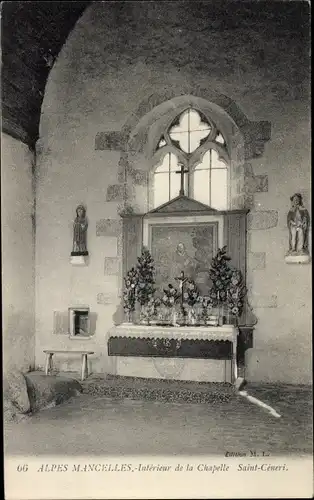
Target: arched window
(210, 181)
(167, 180)
(194, 142)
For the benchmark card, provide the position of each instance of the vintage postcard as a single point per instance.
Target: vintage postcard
(156, 243)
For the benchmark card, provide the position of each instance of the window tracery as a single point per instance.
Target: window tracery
(192, 140)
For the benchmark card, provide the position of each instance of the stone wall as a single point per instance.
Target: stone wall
(18, 245)
(99, 90)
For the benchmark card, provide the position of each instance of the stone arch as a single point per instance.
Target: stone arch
(143, 139)
(252, 136)
(255, 134)
(248, 140)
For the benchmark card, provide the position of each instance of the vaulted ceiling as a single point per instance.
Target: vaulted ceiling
(32, 36)
(33, 33)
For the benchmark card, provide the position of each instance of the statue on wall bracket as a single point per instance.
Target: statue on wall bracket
(298, 221)
(79, 249)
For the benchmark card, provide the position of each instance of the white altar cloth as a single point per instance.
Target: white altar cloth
(196, 369)
(226, 332)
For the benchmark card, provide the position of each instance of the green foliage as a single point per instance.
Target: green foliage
(220, 273)
(236, 293)
(206, 304)
(129, 292)
(139, 284)
(170, 296)
(145, 278)
(228, 288)
(190, 294)
(228, 284)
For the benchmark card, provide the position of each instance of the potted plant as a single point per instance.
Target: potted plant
(145, 285)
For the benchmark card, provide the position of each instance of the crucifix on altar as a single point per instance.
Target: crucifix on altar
(181, 279)
(182, 171)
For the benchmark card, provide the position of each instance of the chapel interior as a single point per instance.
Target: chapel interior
(178, 126)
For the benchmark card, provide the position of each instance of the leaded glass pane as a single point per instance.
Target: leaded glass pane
(216, 162)
(183, 125)
(173, 163)
(205, 163)
(181, 140)
(161, 143)
(210, 181)
(218, 186)
(174, 185)
(167, 180)
(201, 186)
(219, 138)
(196, 138)
(190, 130)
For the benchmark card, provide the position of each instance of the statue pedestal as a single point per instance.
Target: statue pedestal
(78, 260)
(297, 259)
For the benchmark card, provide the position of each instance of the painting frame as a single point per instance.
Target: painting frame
(190, 223)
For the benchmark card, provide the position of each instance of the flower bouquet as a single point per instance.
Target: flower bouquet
(129, 293)
(190, 299)
(145, 277)
(235, 294)
(221, 275)
(206, 304)
(145, 289)
(169, 300)
(149, 310)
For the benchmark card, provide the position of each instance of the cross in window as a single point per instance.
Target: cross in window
(182, 171)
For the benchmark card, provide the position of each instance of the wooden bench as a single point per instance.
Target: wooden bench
(84, 354)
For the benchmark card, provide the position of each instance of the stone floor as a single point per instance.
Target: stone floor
(100, 425)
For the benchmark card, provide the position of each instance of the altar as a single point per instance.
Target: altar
(203, 354)
(184, 293)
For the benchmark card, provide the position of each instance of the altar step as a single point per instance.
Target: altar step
(174, 391)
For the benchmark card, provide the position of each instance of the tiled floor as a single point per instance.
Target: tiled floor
(98, 425)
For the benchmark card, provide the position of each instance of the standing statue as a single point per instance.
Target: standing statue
(80, 232)
(298, 221)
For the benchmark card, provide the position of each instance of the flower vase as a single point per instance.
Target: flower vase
(144, 316)
(129, 316)
(229, 318)
(220, 315)
(174, 318)
(205, 316)
(191, 317)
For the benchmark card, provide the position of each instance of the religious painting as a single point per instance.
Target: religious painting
(187, 247)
